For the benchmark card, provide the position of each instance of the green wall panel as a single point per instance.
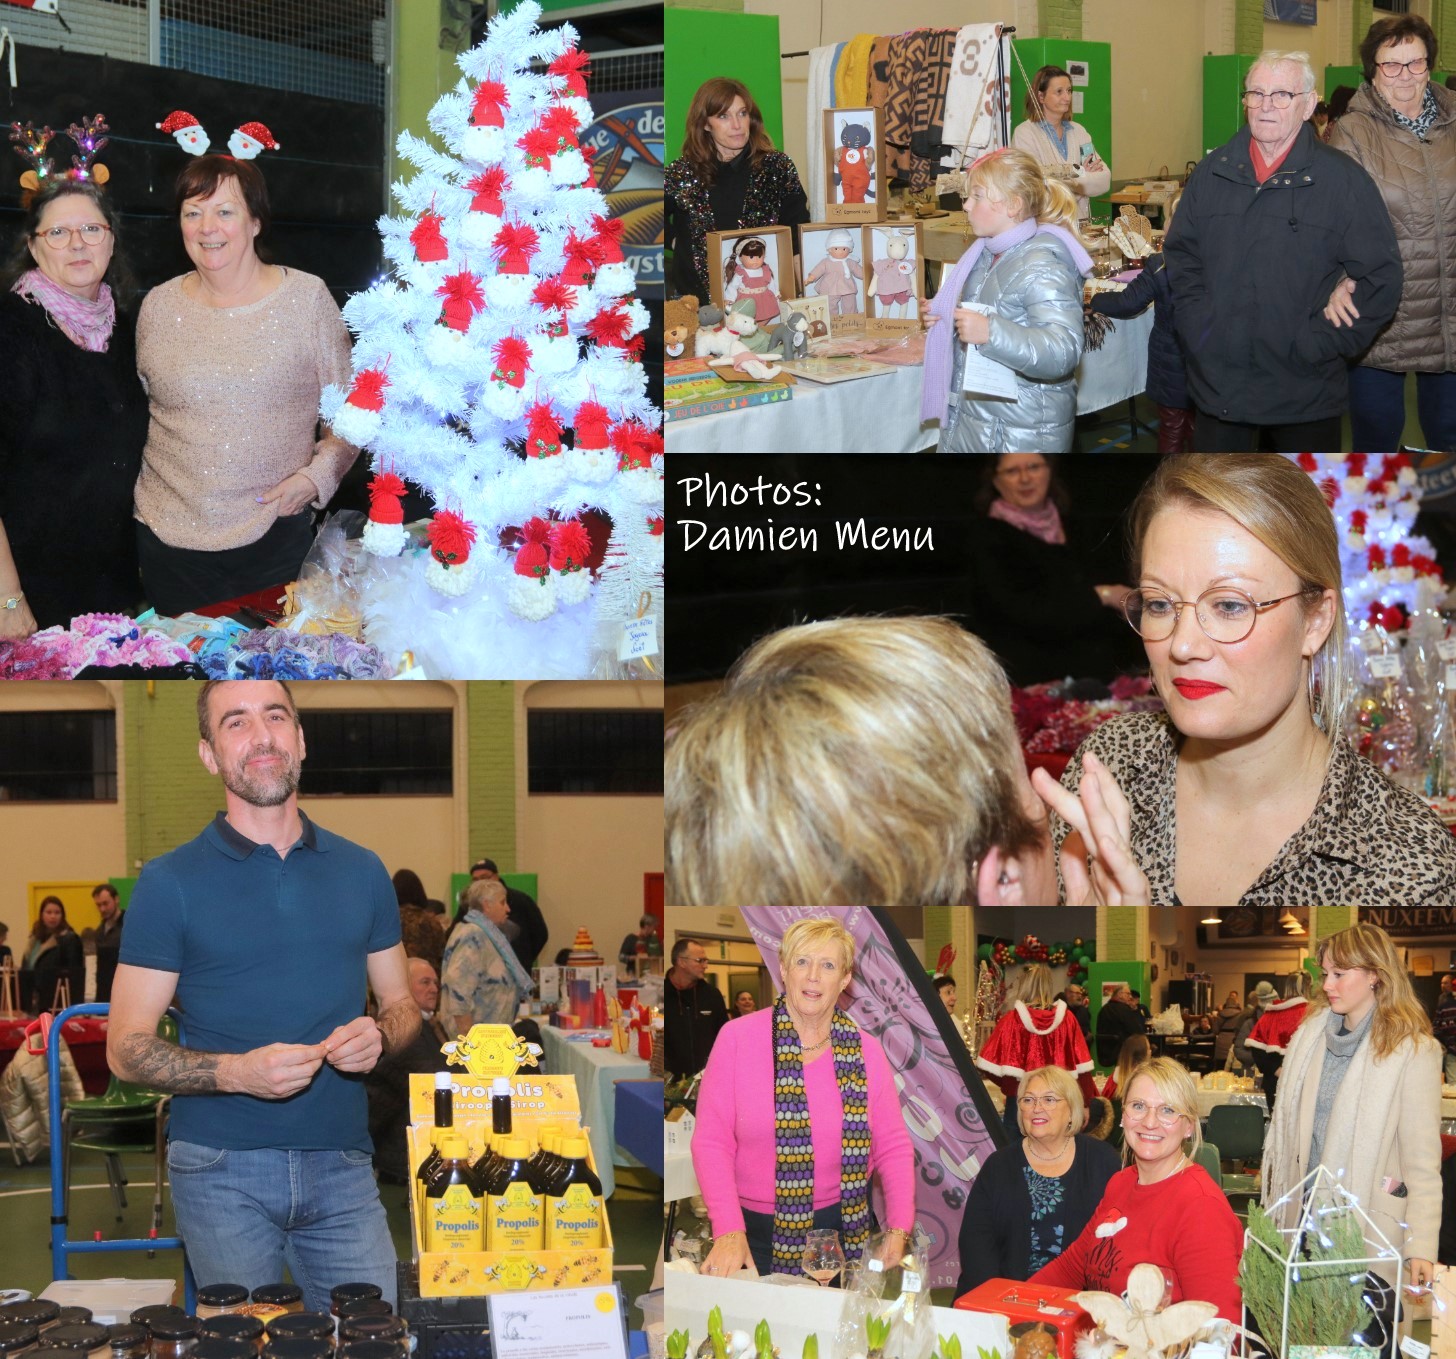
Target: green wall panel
(701, 44)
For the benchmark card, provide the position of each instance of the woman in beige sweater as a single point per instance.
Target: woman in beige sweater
(1360, 1093)
(235, 355)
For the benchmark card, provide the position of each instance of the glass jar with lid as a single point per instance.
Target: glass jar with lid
(301, 1326)
(235, 1326)
(70, 1316)
(17, 1338)
(364, 1307)
(144, 1316)
(219, 1347)
(175, 1336)
(299, 1347)
(81, 1337)
(274, 1300)
(38, 1312)
(341, 1295)
(371, 1349)
(129, 1341)
(218, 1299)
(392, 1329)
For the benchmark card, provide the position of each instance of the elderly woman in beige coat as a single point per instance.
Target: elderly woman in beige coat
(1401, 127)
(1360, 1094)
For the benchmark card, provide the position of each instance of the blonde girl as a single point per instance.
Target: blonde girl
(1016, 295)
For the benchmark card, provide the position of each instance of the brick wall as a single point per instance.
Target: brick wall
(169, 795)
(1362, 15)
(1443, 21)
(1125, 932)
(491, 777)
(1060, 19)
(1248, 26)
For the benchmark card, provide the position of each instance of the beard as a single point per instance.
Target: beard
(262, 787)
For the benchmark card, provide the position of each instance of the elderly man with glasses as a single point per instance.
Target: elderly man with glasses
(1270, 226)
(693, 1010)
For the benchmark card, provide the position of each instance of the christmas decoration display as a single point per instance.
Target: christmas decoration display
(1138, 1326)
(497, 369)
(1002, 954)
(1056, 717)
(583, 951)
(1032, 950)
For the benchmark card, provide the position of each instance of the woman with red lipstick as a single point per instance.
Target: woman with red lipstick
(1245, 791)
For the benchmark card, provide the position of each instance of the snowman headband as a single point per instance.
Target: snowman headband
(32, 143)
(247, 142)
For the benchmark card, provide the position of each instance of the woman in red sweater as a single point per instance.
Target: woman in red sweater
(1162, 1209)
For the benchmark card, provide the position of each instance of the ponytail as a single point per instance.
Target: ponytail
(1059, 207)
(1014, 174)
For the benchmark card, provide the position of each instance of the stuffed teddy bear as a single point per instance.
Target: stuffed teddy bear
(679, 325)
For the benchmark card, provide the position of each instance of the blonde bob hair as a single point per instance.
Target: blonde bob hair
(1270, 497)
(1060, 1082)
(1036, 989)
(1174, 1084)
(1398, 1015)
(814, 933)
(1008, 174)
(864, 760)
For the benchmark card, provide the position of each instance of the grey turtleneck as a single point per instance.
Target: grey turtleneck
(1341, 1045)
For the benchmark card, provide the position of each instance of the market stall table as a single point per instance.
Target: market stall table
(596, 1071)
(639, 1121)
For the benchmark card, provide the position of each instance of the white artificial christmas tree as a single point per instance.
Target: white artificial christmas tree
(498, 370)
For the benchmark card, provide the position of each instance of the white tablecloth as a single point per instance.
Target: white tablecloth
(679, 1179)
(882, 414)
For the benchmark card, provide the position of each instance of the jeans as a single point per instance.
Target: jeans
(1211, 435)
(759, 1229)
(243, 1215)
(1377, 409)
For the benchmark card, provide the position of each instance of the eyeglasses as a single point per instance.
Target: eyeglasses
(1030, 1102)
(59, 237)
(1392, 69)
(1138, 1109)
(1281, 99)
(1224, 613)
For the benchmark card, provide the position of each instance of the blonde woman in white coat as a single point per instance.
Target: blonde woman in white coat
(1361, 1093)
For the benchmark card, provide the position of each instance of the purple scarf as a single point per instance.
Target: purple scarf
(935, 394)
(88, 324)
(1044, 523)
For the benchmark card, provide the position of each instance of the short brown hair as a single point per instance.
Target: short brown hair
(1039, 83)
(716, 96)
(1395, 28)
(104, 887)
(204, 695)
(201, 177)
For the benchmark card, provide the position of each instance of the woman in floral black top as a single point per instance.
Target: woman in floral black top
(728, 177)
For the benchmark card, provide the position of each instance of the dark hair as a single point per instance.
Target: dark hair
(1395, 28)
(202, 176)
(204, 719)
(716, 96)
(1039, 83)
(103, 887)
(1320, 108)
(20, 260)
(1340, 101)
(40, 930)
(408, 889)
(942, 982)
(434, 907)
(681, 947)
(986, 492)
(487, 864)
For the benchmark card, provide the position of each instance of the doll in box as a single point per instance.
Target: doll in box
(854, 163)
(837, 275)
(748, 274)
(894, 277)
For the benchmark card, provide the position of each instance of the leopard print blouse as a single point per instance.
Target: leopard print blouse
(1368, 842)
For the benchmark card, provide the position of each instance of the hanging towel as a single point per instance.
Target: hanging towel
(879, 90)
(820, 97)
(852, 79)
(971, 126)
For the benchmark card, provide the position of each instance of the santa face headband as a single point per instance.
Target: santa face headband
(247, 142)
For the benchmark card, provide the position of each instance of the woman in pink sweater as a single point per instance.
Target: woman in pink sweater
(797, 1110)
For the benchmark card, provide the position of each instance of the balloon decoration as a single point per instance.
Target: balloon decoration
(1075, 956)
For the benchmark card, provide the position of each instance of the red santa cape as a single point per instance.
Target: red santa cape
(1275, 1027)
(1024, 1040)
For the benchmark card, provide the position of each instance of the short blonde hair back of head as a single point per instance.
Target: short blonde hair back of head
(812, 934)
(863, 760)
(1012, 174)
(1174, 1084)
(1270, 497)
(1061, 1082)
(1036, 989)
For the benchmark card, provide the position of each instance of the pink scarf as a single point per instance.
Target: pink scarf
(88, 324)
(1044, 523)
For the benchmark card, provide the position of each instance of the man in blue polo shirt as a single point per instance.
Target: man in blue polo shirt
(266, 929)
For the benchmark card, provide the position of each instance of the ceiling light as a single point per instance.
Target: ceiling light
(1212, 918)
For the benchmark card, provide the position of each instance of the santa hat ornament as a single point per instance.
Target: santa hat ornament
(484, 138)
(505, 393)
(544, 446)
(451, 569)
(554, 349)
(514, 245)
(358, 419)
(532, 594)
(590, 458)
(384, 533)
(187, 130)
(570, 546)
(249, 139)
(462, 299)
(614, 276)
(483, 220)
(636, 447)
(428, 238)
(583, 259)
(568, 165)
(573, 66)
(537, 148)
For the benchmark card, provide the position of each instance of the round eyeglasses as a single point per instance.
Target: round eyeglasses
(1048, 1102)
(1281, 99)
(1391, 69)
(59, 237)
(1138, 1110)
(1224, 613)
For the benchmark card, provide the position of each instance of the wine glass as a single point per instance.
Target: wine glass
(823, 1255)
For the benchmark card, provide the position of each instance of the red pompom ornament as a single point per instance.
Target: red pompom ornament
(611, 328)
(451, 567)
(358, 419)
(463, 298)
(490, 105)
(570, 545)
(515, 243)
(583, 259)
(540, 145)
(384, 533)
(573, 66)
(533, 560)
(428, 238)
(591, 425)
(543, 431)
(488, 186)
(512, 362)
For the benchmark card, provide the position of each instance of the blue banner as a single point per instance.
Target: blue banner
(627, 138)
(1290, 11)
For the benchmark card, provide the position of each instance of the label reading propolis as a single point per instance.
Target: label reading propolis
(455, 1221)
(514, 1219)
(574, 1220)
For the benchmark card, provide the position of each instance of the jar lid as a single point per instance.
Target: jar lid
(234, 1326)
(219, 1347)
(51, 1352)
(349, 1292)
(69, 1316)
(36, 1312)
(179, 1325)
(126, 1335)
(221, 1295)
(79, 1335)
(364, 1307)
(17, 1335)
(372, 1328)
(370, 1349)
(293, 1324)
(284, 1294)
(144, 1316)
(297, 1347)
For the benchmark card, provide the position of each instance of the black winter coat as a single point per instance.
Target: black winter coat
(1167, 380)
(1252, 267)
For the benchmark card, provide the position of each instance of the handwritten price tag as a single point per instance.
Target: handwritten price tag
(1385, 667)
(639, 639)
(1446, 648)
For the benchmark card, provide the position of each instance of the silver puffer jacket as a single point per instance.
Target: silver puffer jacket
(23, 1096)
(1037, 331)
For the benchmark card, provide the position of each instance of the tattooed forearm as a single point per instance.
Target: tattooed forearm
(398, 1024)
(160, 1065)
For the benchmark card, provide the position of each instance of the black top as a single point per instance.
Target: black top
(66, 959)
(1115, 1023)
(1167, 376)
(108, 951)
(72, 428)
(532, 939)
(995, 1240)
(692, 1020)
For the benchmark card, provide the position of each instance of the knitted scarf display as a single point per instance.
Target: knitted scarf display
(794, 1141)
(1045, 523)
(87, 323)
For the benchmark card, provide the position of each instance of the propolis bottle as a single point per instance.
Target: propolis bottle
(540, 1158)
(453, 1213)
(444, 1121)
(515, 1205)
(574, 1202)
(484, 1168)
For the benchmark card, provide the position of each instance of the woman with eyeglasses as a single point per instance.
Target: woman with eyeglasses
(1033, 1197)
(1162, 1208)
(73, 415)
(1245, 791)
(1401, 127)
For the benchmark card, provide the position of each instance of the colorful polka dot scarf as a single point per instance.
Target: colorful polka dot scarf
(794, 1143)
